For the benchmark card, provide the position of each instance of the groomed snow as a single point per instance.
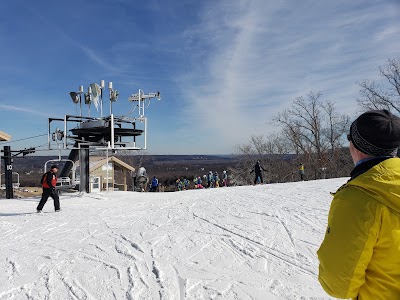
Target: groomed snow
(251, 242)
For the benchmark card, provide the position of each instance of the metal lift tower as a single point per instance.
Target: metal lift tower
(81, 133)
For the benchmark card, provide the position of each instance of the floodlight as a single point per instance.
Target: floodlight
(59, 134)
(74, 97)
(114, 95)
(88, 99)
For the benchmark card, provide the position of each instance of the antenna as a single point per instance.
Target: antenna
(113, 95)
(141, 97)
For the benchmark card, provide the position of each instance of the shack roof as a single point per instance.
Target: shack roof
(4, 136)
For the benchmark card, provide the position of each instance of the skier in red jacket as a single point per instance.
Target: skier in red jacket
(49, 189)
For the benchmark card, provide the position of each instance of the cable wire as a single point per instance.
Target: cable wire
(6, 142)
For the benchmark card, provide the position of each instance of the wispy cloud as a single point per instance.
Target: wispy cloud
(258, 56)
(86, 50)
(96, 57)
(27, 110)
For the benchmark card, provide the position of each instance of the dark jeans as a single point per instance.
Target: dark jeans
(45, 195)
(256, 179)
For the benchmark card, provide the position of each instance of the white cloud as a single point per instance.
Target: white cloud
(256, 57)
(22, 109)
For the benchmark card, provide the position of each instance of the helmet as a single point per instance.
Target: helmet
(54, 167)
(224, 171)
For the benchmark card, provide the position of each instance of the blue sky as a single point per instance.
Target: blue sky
(224, 68)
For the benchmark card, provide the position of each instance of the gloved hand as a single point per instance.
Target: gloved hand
(53, 191)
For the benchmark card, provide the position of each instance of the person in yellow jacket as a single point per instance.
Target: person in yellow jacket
(360, 254)
(301, 171)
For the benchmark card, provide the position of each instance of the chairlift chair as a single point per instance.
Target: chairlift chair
(64, 182)
(14, 184)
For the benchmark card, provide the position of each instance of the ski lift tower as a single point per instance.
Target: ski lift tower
(81, 133)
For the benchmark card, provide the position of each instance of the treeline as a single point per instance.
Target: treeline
(314, 133)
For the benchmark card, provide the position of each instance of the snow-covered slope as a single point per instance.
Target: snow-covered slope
(253, 242)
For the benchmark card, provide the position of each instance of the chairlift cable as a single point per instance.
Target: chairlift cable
(41, 146)
(6, 142)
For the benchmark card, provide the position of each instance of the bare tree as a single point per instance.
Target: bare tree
(302, 124)
(270, 151)
(315, 131)
(336, 126)
(375, 95)
(312, 133)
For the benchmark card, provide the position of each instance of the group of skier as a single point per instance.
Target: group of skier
(214, 181)
(182, 184)
(210, 180)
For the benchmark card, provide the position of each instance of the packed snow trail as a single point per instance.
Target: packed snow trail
(252, 242)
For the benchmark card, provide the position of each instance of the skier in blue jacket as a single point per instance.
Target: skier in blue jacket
(154, 184)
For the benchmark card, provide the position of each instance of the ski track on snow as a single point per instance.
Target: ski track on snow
(227, 243)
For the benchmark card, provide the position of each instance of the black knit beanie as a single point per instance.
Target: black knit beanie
(376, 132)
